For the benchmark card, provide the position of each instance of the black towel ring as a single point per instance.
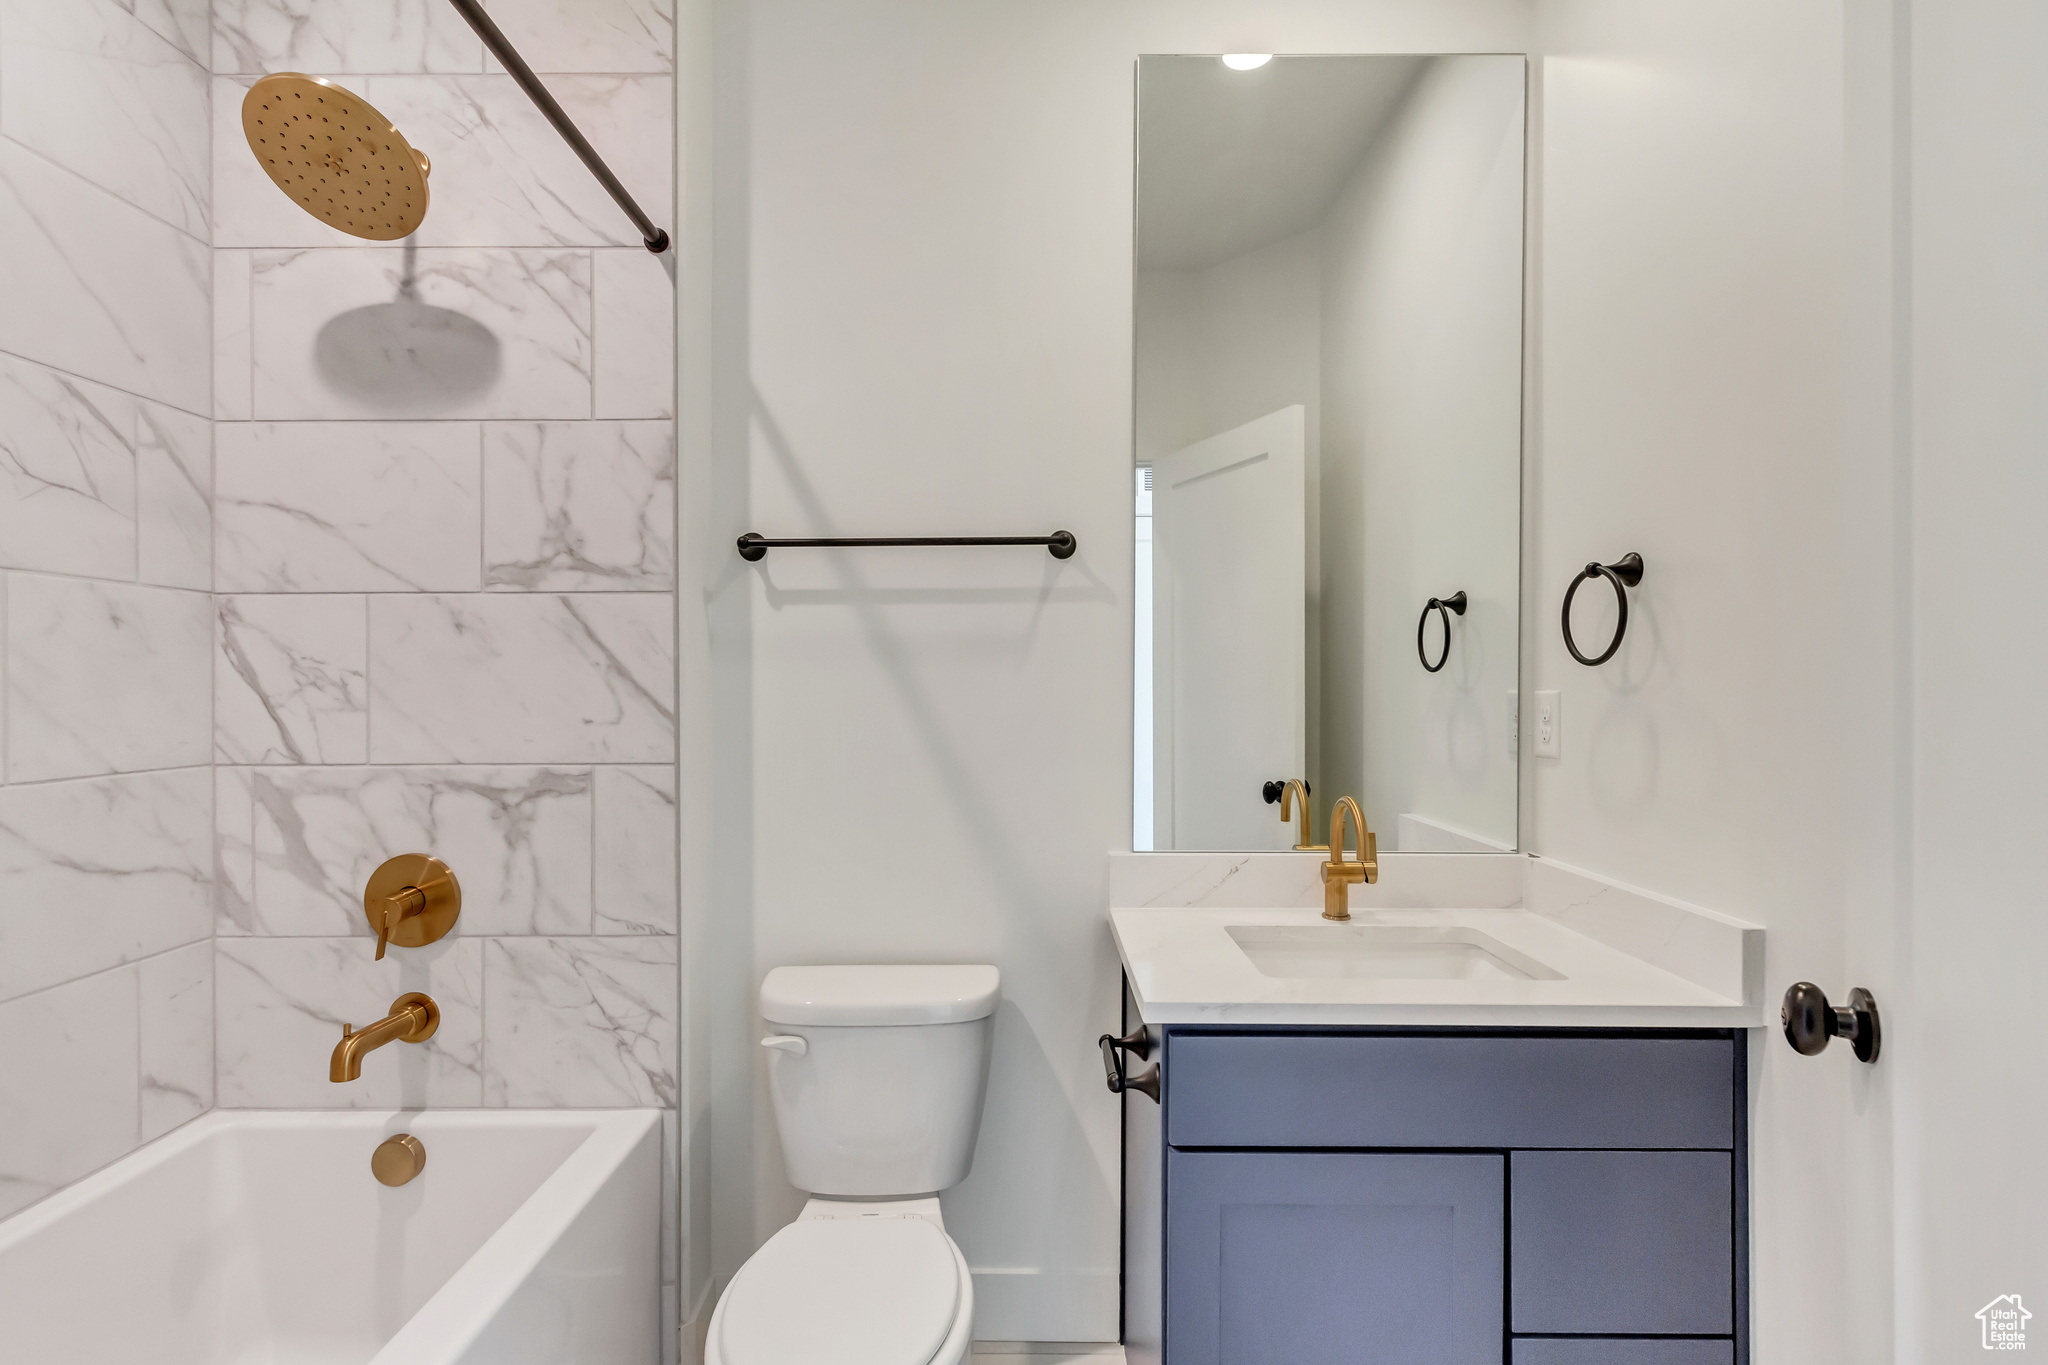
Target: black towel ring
(1442, 606)
(1628, 570)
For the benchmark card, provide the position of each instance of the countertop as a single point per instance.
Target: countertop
(1624, 958)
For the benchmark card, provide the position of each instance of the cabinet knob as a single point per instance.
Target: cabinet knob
(1810, 1021)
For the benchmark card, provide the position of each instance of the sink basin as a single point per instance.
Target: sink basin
(1384, 952)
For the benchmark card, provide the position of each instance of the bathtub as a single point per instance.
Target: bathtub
(259, 1238)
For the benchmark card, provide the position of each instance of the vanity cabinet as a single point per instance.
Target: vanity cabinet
(1469, 1197)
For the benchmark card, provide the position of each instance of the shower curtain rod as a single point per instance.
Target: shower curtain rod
(508, 56)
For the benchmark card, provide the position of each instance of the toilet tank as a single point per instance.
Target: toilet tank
(883, 1096)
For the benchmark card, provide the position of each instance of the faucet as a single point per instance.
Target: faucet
(1338, 875)
(413, 1019)
(1288, 799)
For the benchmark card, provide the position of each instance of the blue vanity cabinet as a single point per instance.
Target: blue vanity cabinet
(1417, 1197)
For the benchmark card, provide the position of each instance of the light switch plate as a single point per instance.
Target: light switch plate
(1514, 723)
(1547, 720)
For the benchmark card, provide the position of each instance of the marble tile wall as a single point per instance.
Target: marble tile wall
(313, 551)
(106, 572)
(444, 568)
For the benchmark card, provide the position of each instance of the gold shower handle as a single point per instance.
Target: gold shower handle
(397, 909)
(411, 900)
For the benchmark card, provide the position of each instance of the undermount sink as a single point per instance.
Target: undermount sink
(1384, 952)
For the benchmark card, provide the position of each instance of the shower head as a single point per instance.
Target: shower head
(338, 158)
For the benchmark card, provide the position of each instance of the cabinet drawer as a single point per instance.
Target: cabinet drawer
(1621, 1242)
(1331, 1258)
(1352, 1090)
(1623, 1351)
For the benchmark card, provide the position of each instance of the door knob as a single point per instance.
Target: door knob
(1810, 1021)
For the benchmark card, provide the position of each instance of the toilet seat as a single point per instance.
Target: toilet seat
(851, 1291)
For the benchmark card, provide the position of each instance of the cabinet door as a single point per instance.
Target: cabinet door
(1624, 1243)
(1314, 1258)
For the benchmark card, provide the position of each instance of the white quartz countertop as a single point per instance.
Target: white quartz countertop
(1185, 968)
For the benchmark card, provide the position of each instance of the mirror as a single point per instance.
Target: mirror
(1328, 392)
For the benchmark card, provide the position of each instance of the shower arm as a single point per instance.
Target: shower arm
(508, 56)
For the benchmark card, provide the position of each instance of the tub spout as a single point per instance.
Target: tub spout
(413, 1019)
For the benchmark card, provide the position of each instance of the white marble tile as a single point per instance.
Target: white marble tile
(522, 678)
(398, 332)
(323, 36)
(232, 361)
(67, 473)
(635, 332)
(105, 677)
(100, 872)
(173, 497)
(289, 683)
(101, 289)
(580, 506)
(281, 1003)
(99, 93)
(346, 507)
(186, 24)
(588, 35)
(175, 997)
(518, 840)
(572, 1022)
(68, 1095)
(503, 177)
(636, 851)
(234, 849)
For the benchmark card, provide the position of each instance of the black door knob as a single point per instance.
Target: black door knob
(1810, 1021)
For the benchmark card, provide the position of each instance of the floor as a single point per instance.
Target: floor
(1046, 1353)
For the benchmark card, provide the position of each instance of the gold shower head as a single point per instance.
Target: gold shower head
(338, 158)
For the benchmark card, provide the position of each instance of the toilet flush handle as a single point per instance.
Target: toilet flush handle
(786, 1042)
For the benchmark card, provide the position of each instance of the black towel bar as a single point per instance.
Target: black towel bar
(753, 546)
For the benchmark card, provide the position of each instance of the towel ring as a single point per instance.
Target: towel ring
(1623, 573)
(1442, 606)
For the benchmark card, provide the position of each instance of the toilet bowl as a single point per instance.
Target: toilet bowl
(877, 1074)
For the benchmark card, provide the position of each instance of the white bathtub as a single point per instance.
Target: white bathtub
(530, 1238)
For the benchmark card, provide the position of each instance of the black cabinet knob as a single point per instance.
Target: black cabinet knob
(1810, 1021)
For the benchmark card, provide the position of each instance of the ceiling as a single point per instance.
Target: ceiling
(1232, 160)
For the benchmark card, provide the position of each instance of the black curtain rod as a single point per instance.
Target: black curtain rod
(508, 56)
(1060, 544)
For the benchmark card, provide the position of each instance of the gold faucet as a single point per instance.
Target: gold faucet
(1290, 802)
(413, 1019)
(1338, 875)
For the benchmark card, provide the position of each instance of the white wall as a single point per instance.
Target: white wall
(1690, 334)
(923, 236)
(1220, 346)
(1224, 345)
(1421, 454)
(1969, 942)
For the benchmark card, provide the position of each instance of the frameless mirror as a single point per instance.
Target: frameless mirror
(1328, 389)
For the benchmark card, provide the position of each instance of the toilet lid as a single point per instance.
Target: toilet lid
(849, 1291)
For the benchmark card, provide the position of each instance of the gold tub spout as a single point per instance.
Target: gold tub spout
(413, 1019)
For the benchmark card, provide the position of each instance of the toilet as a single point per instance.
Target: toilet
(877, 1074)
